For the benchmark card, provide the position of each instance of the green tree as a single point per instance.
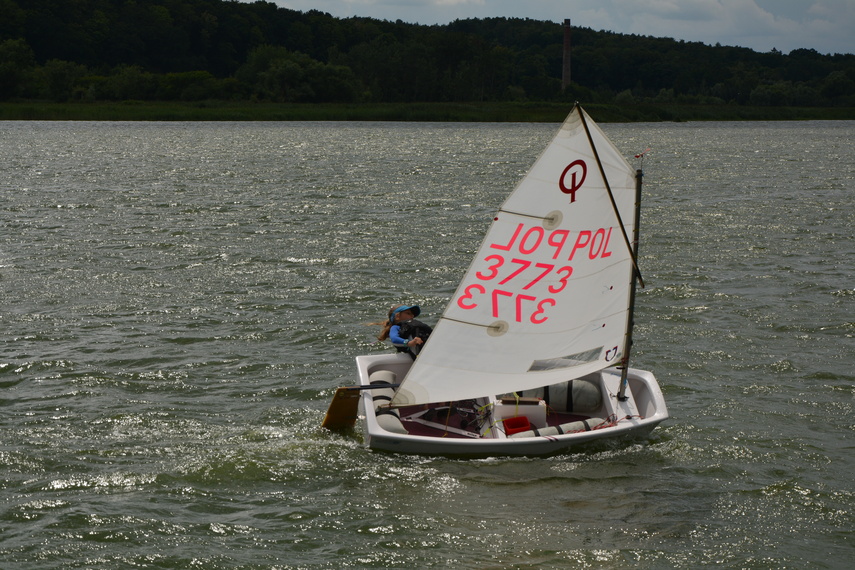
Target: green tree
(16, 63)
(276, 74)
(346, 59)
(188, 86)
(839, 88)
(12, 18)
(776, 95)
(58, 80)
(128, 82)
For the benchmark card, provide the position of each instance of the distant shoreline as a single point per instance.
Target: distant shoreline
(547, 112)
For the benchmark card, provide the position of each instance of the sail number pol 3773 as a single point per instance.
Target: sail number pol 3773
(507, 280)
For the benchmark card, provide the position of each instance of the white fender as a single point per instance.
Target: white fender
(572, 427)
(387, 418)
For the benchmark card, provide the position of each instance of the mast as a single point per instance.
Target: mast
(565, 70)
(630, 322)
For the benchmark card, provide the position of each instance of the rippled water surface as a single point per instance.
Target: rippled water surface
(180, 300)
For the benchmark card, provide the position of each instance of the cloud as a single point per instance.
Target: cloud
(824, 25)
(456, 2)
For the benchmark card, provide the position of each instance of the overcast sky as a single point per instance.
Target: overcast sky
(827, 26)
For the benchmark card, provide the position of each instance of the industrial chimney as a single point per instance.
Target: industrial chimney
(565, 72)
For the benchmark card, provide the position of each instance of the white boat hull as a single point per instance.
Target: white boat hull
(636, 416)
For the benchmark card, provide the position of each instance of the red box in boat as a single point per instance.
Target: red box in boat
(516, 425)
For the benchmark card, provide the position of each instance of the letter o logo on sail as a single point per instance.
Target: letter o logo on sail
(576, 171)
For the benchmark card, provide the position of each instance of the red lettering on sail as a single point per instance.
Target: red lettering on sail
(510, 244)
(582, 241)
(497, 262)
(512, 284)
(523, 265)
(556, 239)
(547, 269)
(606, 252)
(468, 295)
(527, 246)
(565, 272)
(577, 171)
(536, 317)
(532, 240)
(597, 243)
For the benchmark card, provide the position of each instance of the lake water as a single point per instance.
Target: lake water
(180, 301)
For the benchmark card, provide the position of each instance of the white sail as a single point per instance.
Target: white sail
(546, 297)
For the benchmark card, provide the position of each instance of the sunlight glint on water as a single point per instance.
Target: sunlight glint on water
(180, 301)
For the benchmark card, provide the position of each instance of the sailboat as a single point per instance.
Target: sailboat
(531, 355)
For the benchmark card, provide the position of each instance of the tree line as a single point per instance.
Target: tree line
(194, 50)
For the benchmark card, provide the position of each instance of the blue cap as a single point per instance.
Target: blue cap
(414, 308)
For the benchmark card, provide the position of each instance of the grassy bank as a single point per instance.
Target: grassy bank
(445, 112)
